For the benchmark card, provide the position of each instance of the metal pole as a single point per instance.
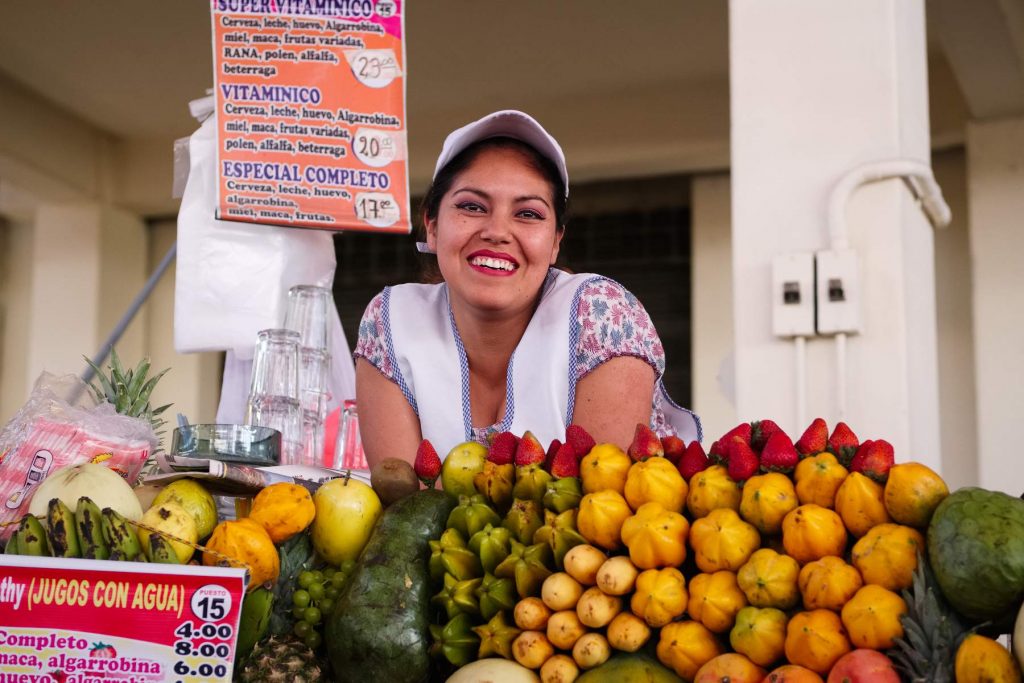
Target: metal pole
(129, 314)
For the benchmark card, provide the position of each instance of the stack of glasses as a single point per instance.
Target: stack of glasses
(289, 376)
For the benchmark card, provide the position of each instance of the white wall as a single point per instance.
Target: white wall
(995, 181)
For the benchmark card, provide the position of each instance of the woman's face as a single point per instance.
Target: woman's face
(495, 233)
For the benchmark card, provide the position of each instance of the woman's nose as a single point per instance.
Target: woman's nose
(496, 229)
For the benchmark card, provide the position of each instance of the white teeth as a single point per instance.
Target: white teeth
(495, 263)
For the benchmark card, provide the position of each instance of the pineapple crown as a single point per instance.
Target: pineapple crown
(129, 391)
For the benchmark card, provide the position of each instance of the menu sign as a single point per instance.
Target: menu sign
(311, 113)
(75, 621)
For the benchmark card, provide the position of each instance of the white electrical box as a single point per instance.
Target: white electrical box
(793, 295)
(838, 274)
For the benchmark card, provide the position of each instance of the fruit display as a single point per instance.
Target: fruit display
(761, 559)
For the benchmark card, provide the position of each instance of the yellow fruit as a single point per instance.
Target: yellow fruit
(460, 466)
(887, 555)
(656, 537)
(346, 510)
(655, 480)
(912, 493)
(715, 599)
(983, 660)
(284, 510)
(196, 500)
(605, 468)
(828, 583)
(818, 478)
(872, 618)
(731, 667)
(721, 540)
(244, 543)
(816, 640)
(759, 634)
(601, 516)
(711, 489)
(172, 519)
(767, 499)
(811, 532)
(660, 596)
(860, 503)
(769, 579)
(628, 632)
(685, 646)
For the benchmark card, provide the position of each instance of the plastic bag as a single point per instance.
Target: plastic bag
(60, 425)
(232, 278)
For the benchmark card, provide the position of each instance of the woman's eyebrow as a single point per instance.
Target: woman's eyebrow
(485, 195)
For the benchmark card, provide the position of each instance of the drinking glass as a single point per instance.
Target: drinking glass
(284, 414)
(306, 313)
(348, 453)
(275, 364)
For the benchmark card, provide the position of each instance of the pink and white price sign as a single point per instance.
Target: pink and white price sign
(78, 621)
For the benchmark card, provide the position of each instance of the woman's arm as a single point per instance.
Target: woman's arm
(387, 424)
(613, 397)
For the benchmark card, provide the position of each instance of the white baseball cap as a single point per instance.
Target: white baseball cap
(507, 123)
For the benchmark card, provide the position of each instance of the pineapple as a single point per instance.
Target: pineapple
(932, 632)
(129, 391)
(280, 659)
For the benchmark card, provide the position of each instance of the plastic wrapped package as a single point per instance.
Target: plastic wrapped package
(60, 425)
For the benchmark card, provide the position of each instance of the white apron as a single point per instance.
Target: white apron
(540, 388)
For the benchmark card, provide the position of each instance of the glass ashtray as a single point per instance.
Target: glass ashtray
(244, 444)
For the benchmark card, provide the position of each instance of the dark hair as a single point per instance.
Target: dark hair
(430, 205)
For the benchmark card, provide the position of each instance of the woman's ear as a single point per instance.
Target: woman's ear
(557, 245)
(431, 226)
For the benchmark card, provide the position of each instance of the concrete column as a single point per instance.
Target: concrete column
(995, 166)
(714, 372)
(816, 90)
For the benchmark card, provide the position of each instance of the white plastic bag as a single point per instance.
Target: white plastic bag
(233, 278)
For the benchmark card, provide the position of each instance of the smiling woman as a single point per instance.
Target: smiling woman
(506, 342)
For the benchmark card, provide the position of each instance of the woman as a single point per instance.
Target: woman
(506, 342)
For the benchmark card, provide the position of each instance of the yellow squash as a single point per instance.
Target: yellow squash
(721, 540)
(815, 640)
(604, 469)
(660, 596)
(715, 599)
(818, 478)
(860, 502)
(760, 634)
(770, 579)
(828, 583)
(711, 489)
(767, 499)
(872, 618)
(601, 516)
(811, 532)
(658, 480)
(685, 646)
(656, 537)
(887, 555)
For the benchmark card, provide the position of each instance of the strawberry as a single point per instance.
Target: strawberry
(760, 432)
(565, 462)
(427, 464)
(814, 439)
(673, 447)
(103, 651)
(59, 676)
(779, 454)
(579, 439)
(693, 460)
(646, 444)
(549, 455)
(843, 444)
(719, 452)
(874, 458)
(503, 448)
(529, 451)
(743, 461)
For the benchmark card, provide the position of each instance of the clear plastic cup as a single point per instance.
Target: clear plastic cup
(306, 313)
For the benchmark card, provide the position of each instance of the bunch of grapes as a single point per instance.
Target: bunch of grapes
(314, 599)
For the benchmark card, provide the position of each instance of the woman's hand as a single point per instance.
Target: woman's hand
(612, 398)
(387, 424)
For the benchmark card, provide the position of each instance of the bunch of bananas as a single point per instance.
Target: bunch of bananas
(86, 532)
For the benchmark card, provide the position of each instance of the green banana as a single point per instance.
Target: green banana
(32, 537)
(119, 535)
(256, 610)
(12, 545)
(89, 525)
(160, 550)
(61, 530)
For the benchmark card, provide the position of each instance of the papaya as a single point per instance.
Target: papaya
(630, 668)
(379, 629)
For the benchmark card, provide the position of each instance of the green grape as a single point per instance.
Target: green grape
(300, 598)
(313, 640)
(327, 605)
(312, 615)
(298, 611)
(347, 566)
(318, 576)
(329, 572)
(303, 629)
(306, 578)
(316, 591)
(339, 579)
(332, 592)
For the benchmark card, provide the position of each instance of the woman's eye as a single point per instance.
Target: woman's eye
(469, 206)
(530, 213)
